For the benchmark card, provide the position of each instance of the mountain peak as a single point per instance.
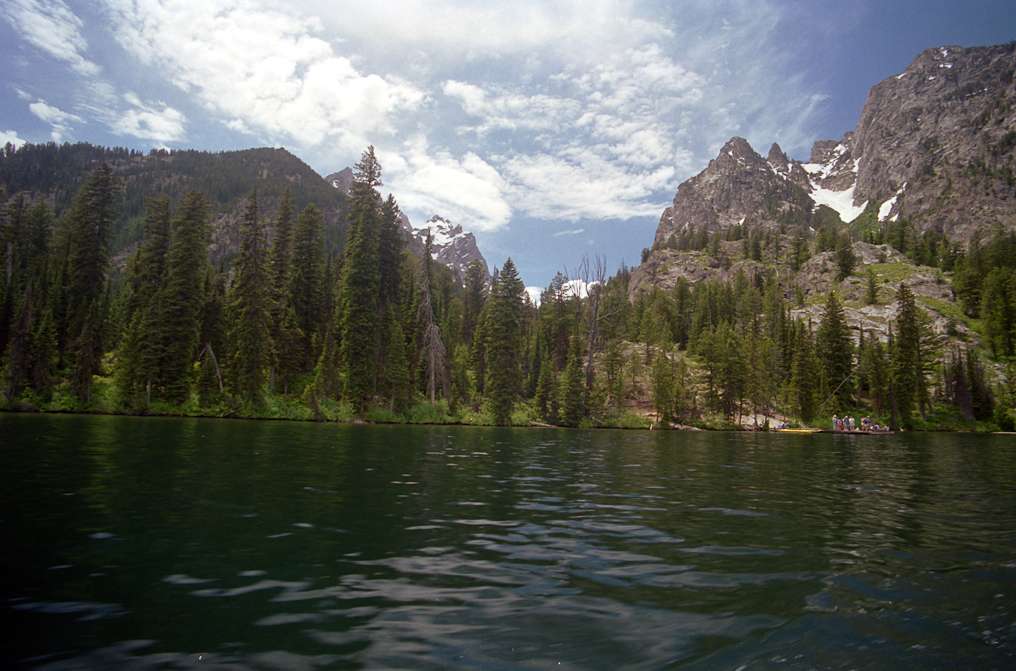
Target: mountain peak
(778, 159)
(341, 180)
(450, 245)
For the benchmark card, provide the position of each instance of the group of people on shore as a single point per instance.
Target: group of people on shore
(848, 423)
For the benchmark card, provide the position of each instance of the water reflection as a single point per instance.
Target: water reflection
(176, 543)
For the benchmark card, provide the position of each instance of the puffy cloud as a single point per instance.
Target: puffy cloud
(51, 26)
(149, 122)
(264, 69)
(466, 190)
(10, 137)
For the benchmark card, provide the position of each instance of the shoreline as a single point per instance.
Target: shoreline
(732, 428)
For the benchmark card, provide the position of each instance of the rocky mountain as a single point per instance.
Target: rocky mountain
(450, 245)
(937, 141)
(933, 152)
(935, 145)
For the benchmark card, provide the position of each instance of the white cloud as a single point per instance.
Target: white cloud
(10, 137)
(471, 30)
(504, 110)
(58, 119)
(480, 110)
(580, 184)
(263, 69)
(51, 26)
(576, 231)
(427, 182)
(149, 122)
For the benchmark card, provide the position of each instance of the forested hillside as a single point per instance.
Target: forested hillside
(55, 172)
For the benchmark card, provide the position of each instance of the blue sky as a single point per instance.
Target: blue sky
(550, 129)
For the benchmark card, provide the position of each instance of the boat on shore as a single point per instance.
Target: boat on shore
(863, 432)
(857, 432)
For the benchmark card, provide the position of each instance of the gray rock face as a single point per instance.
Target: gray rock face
(941, 135)
(341, 180)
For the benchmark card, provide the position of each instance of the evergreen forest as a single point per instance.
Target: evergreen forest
(119, 295)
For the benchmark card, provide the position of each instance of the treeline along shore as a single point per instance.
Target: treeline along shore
(286, 326)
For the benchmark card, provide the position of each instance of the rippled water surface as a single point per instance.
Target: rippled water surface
(149, 543)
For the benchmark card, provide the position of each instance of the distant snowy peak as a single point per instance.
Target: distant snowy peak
(450, 245)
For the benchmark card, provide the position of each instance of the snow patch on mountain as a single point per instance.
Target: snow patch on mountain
(841, 201)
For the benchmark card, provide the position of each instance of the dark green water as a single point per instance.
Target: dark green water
(178, 544)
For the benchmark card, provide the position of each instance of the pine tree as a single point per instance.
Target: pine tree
(13, 235)
(137, 361)
(871, 290)
(804, 379)
(326, 381)
(282, 245)
(209, 381)
(179, 305)
(433, 349)
(572, 401)
(663, 387)
(614, 368)
(89, 226)
(845, 258)
(390, 247)
(307, 285)
(43, 355)
(545, 391)
(17, 359)
(249, 305)
(907, 360)
(835, 350)
(398, 364)
(149, 271)
(474, 299)
(504, 343)
(361, 285)
(280, 260)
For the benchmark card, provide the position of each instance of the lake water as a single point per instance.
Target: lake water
(154, 543)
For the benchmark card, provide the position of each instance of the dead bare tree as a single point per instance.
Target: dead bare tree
(594, 278)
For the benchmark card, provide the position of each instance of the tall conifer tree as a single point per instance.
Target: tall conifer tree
(89, 228)
(180, 308)
(504, 343)
(307, 285)
(361, 283)
(836, 350)
(249, 303)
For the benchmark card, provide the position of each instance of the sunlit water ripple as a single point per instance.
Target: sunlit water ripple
(177, 544)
